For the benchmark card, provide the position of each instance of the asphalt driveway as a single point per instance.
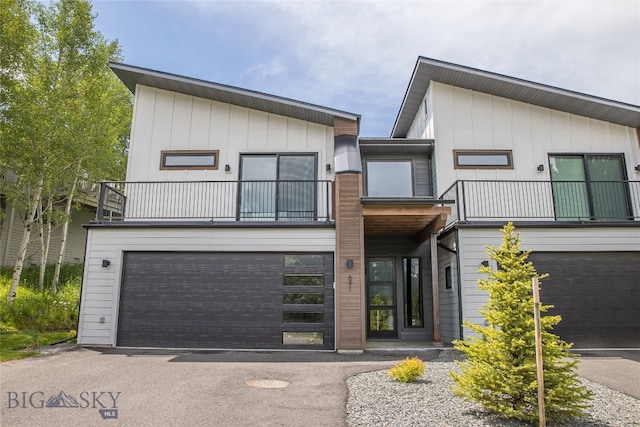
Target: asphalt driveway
(150, 388)
(118, 387)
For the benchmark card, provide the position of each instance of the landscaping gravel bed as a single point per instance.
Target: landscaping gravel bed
(375, 399)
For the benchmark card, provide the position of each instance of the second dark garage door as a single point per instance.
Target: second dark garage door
(596, 293)
(227, 300)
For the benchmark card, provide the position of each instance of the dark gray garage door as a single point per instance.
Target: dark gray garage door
(227, 300)
(596, 293)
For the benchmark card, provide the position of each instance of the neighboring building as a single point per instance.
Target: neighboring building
(12, 228)
(253, 221)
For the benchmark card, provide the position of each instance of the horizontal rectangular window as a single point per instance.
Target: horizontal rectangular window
(303, 298)
(303, 280)
(302, 317)
(303, 260)
(189, 159)
(303, 338)
(483, 159)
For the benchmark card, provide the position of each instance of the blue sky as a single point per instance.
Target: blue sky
(358, 56)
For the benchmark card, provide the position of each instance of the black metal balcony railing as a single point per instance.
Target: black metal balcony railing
(604, 201)
(216, 201)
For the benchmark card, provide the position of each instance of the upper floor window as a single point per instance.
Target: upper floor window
(482, 159)
(589, 186)
(278, 187)
(189, 159)
(389, 178)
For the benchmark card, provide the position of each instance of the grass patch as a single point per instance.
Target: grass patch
(37, 317)
(15, 344)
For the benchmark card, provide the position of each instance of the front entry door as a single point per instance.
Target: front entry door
(381, 298)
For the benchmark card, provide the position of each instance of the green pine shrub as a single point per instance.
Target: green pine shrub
(407, 371)
(500, 367)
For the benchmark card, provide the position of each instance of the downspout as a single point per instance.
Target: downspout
(459, 283)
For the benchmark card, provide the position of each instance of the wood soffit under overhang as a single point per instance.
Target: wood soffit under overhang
(396, 219)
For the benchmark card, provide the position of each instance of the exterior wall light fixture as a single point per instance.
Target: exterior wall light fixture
(638, 168)
(349, 263)
(227, 168)
(540, 168)
(106, 263)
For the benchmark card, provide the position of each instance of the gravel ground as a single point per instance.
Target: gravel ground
(375, 399)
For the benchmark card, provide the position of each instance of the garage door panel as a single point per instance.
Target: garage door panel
(597, 294)
(211, 300)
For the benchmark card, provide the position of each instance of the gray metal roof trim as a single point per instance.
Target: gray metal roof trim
(132, 75)
(547, 96)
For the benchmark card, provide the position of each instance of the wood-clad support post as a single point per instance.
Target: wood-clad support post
(435, 290)
(350, 265)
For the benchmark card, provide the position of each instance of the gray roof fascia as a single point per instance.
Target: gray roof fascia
(395, 145)
(132, 76)
(427, 70)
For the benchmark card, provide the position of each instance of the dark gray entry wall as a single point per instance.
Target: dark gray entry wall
(226, 300)
(596, 293)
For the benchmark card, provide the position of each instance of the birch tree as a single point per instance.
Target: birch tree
(66, 119)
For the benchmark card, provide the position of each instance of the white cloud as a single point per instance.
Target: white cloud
(358, 56)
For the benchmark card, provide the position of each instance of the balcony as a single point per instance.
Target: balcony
(213, 201)
(567, 201)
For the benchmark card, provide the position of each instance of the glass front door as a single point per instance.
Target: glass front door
(381, 298)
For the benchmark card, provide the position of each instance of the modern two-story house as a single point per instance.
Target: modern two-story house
(253, 221)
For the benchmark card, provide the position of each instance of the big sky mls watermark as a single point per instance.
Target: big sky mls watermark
(106, 402)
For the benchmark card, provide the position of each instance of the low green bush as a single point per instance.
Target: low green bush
(30, 275)
(41, 310)
(408, 370)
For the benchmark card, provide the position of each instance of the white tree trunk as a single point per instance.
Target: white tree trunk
(43, 257)
(26, 235)
(63, 239)
(45, 247)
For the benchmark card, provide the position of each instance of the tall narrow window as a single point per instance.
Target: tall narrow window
(278, 187)
(390, 178)
(589, 187)
(412, 293)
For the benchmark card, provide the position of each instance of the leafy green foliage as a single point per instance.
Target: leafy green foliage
(500, 367)
(29, 277)
(407, 371)
(41, 310)
(65, 116)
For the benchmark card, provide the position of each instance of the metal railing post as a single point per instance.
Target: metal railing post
(100, 213)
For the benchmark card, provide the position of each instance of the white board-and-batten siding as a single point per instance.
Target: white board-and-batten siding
(466, 119)
(101, 286)
(472, 252)
(165, 120)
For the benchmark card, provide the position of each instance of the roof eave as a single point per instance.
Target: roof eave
(132, 76)
(427, 70)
